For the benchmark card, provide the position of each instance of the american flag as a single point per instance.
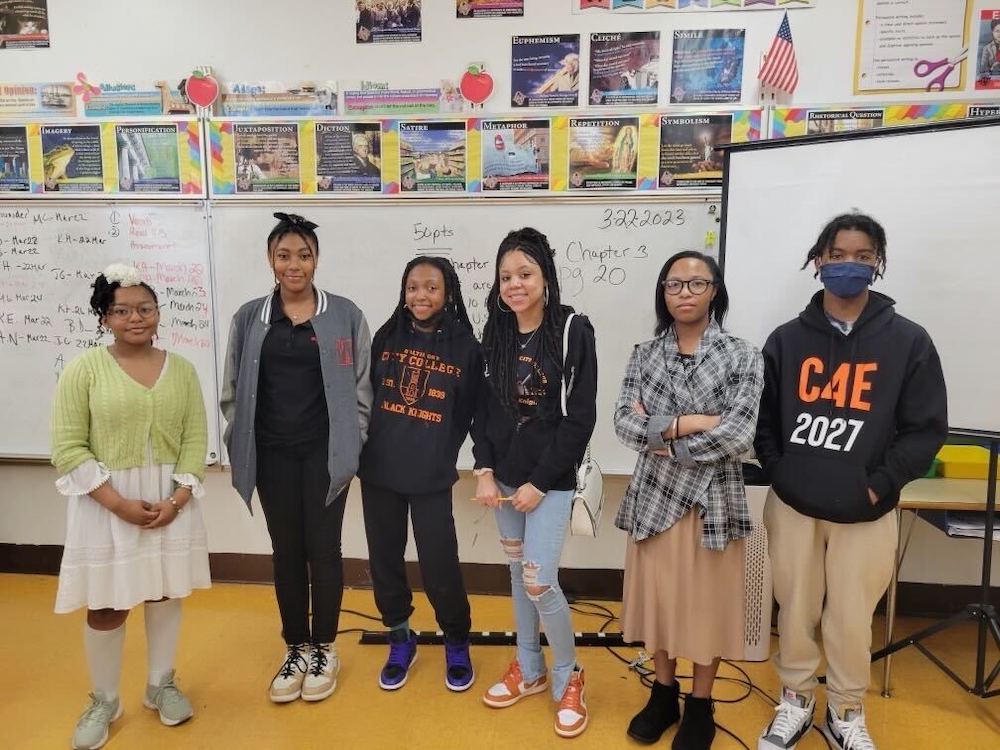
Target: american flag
(780, 69)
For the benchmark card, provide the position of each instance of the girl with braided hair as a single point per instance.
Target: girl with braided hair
(427, 377)
(526, 454)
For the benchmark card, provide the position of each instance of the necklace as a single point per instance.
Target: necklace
(528, 340)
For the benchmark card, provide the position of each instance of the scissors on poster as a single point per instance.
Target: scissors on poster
(924, 68)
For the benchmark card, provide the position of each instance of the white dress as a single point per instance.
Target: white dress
(109, 563)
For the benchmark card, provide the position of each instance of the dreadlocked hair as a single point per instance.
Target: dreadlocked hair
(853, 221)
(454, 305)
(500, 332)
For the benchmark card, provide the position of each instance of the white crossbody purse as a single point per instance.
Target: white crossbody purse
(588, 499)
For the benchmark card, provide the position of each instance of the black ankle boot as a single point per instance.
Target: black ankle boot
(697, 728)
(662, 711)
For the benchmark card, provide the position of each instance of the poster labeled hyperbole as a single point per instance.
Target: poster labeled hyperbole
(348, 157)
(624, 67)
(603, 152)
(545, 71)
(267, 157)
(516, 155)
(432, 156)
(707, 66)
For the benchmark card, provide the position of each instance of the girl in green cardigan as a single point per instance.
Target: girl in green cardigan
(129, 438)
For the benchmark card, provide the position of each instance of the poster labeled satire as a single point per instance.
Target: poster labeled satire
(24, 24)
(707, 66)
(687, 149)
(387, 21)
(267, 157)
(603, 152)
(148, 159)
(348, 157)
(516, 155)
(432, 156)
(14, 174)
(545, 71)
(488, 8)
(72, 159)
(624, 68)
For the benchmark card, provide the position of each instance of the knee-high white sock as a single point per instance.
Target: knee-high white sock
(163, 628)
(104, 658)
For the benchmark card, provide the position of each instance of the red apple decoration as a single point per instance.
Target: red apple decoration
(476, 84)
(202, 89)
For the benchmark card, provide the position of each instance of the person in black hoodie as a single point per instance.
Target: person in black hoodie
(526, 455)
(427, 374)
(853, 408)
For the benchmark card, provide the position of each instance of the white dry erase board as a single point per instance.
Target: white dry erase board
(933, 188)
(608, 254)
(49, 255)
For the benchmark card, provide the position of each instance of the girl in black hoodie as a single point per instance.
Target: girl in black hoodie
(427, 371)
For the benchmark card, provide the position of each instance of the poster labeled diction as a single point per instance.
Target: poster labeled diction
(348, 157)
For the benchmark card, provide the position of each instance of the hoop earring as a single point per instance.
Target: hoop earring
(545, 297)
(500, 308)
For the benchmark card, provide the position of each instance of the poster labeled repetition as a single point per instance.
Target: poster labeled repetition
(603, 152)
(516, 155)
(687, 149)
(707, 66)
(432, 156)
(387, 21)
(624, 67)
(348, 157)
(148, 159)
(267, 157)
(72, 158)
(545, 71)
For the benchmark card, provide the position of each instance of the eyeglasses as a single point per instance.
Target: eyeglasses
(695, 286)
(124, 312)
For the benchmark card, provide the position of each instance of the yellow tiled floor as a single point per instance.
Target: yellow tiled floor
(230, 648)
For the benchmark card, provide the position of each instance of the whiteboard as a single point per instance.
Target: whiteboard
(49, 255)
(608, 254)
(932, 188)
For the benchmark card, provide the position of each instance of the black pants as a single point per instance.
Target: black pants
(292, 482)
(437, 550)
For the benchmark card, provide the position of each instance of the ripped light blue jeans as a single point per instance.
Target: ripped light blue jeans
(533, 544)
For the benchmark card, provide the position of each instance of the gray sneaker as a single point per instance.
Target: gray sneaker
(92, 728)
(166, 698)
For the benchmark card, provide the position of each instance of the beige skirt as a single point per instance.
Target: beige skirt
(682, 598)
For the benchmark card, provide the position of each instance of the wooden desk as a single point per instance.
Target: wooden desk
(927, 494)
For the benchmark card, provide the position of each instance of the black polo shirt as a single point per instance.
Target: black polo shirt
(291, 399)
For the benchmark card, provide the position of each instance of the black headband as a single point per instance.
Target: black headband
(294, 220)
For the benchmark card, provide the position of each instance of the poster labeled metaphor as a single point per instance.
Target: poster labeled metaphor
(279, 99)
(72, 159)
(844, 120)
(488, 8)
(988, 57)
(24, 24)
(624, 68)
(148, 159)
(387, 21)
(545, 71)
(687, 149)
(267, 157)
(516, 155)
(603, 152)
(707, 66)
(14, 175)
(432, 156)
(348, 157)
(42, 100)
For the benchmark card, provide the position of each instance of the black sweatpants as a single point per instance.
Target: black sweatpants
(293, 482)
(437, 550)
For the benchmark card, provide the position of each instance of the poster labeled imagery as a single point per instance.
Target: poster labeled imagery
(72, 159)
(707, 66)
(432, 156)
(267, 157)
(515, 155)
(843, 120)
(148, 159)
(624, 68)
(387, 21)
(24, 24)
(603, 152)
(348, 157)
(988, 58)
(545, 71)
(687, 149)
(14, 160)
(488, 8)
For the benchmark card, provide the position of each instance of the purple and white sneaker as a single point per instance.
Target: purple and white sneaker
(402, 654)
(459, 674)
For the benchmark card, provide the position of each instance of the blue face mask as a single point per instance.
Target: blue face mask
(846, 280)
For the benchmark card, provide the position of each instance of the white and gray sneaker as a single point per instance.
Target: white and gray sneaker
(287, 683)
(321, 679)
(793, 717)
(851, 733)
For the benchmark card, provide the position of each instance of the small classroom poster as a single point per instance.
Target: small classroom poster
(545, 71)
(24, 24)
(516, 155)
(988, 57)
(42, 100)
(267, 157)
(603, 152)
(14, 174)
(432, 156)
(624, 68)
(707, 66)
(387, 21)
(348, 157)
(687, 149)
(72, 158)
(488, 8)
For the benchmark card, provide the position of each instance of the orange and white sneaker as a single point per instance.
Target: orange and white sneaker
(571, 716)
(512, 688)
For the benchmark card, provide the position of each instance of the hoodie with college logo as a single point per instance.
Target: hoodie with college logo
(842, 413)
(427, 386)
